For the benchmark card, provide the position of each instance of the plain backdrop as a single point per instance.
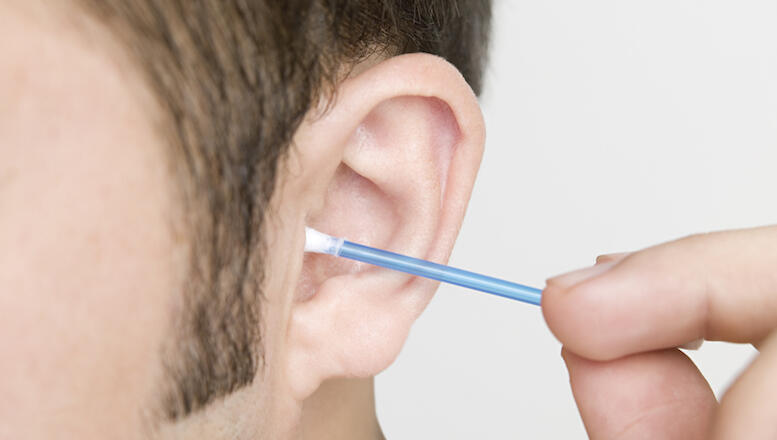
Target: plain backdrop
(612, 125)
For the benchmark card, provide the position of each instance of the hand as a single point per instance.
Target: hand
(621, 320)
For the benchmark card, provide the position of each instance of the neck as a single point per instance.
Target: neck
(341, 409)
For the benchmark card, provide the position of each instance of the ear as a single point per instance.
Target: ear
(390, 164)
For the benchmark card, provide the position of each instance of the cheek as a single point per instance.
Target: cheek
(87, 269)
(88, 263)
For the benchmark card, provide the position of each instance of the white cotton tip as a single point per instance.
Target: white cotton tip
(321, 243)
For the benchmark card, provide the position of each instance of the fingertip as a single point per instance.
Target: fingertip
(553, 305)
(575, 317)
(562, 315)
(617, 311)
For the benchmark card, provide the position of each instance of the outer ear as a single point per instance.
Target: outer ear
(390, 164)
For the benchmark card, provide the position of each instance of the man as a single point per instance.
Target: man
(159, 162)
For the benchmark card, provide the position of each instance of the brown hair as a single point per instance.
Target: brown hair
(235, 78)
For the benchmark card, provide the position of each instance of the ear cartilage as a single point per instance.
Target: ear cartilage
(325, 244)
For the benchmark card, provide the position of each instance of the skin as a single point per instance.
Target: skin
(92, 262)
(93, 248)
(619, 334)
(83, 277)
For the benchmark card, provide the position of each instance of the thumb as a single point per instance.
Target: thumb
(660, 394)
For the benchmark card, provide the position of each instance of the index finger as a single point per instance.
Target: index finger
(718, 286)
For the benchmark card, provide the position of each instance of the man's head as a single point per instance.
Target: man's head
(159, 160)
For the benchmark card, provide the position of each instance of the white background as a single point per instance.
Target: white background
(612, 125)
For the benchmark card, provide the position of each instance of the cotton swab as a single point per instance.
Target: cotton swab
(318, 242)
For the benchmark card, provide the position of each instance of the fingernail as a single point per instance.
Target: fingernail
(693, 345)
(606, 258)
(576, 277)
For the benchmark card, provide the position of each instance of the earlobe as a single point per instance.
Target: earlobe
(391, 165)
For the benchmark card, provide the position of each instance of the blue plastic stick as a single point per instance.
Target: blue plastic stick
(325, 244)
